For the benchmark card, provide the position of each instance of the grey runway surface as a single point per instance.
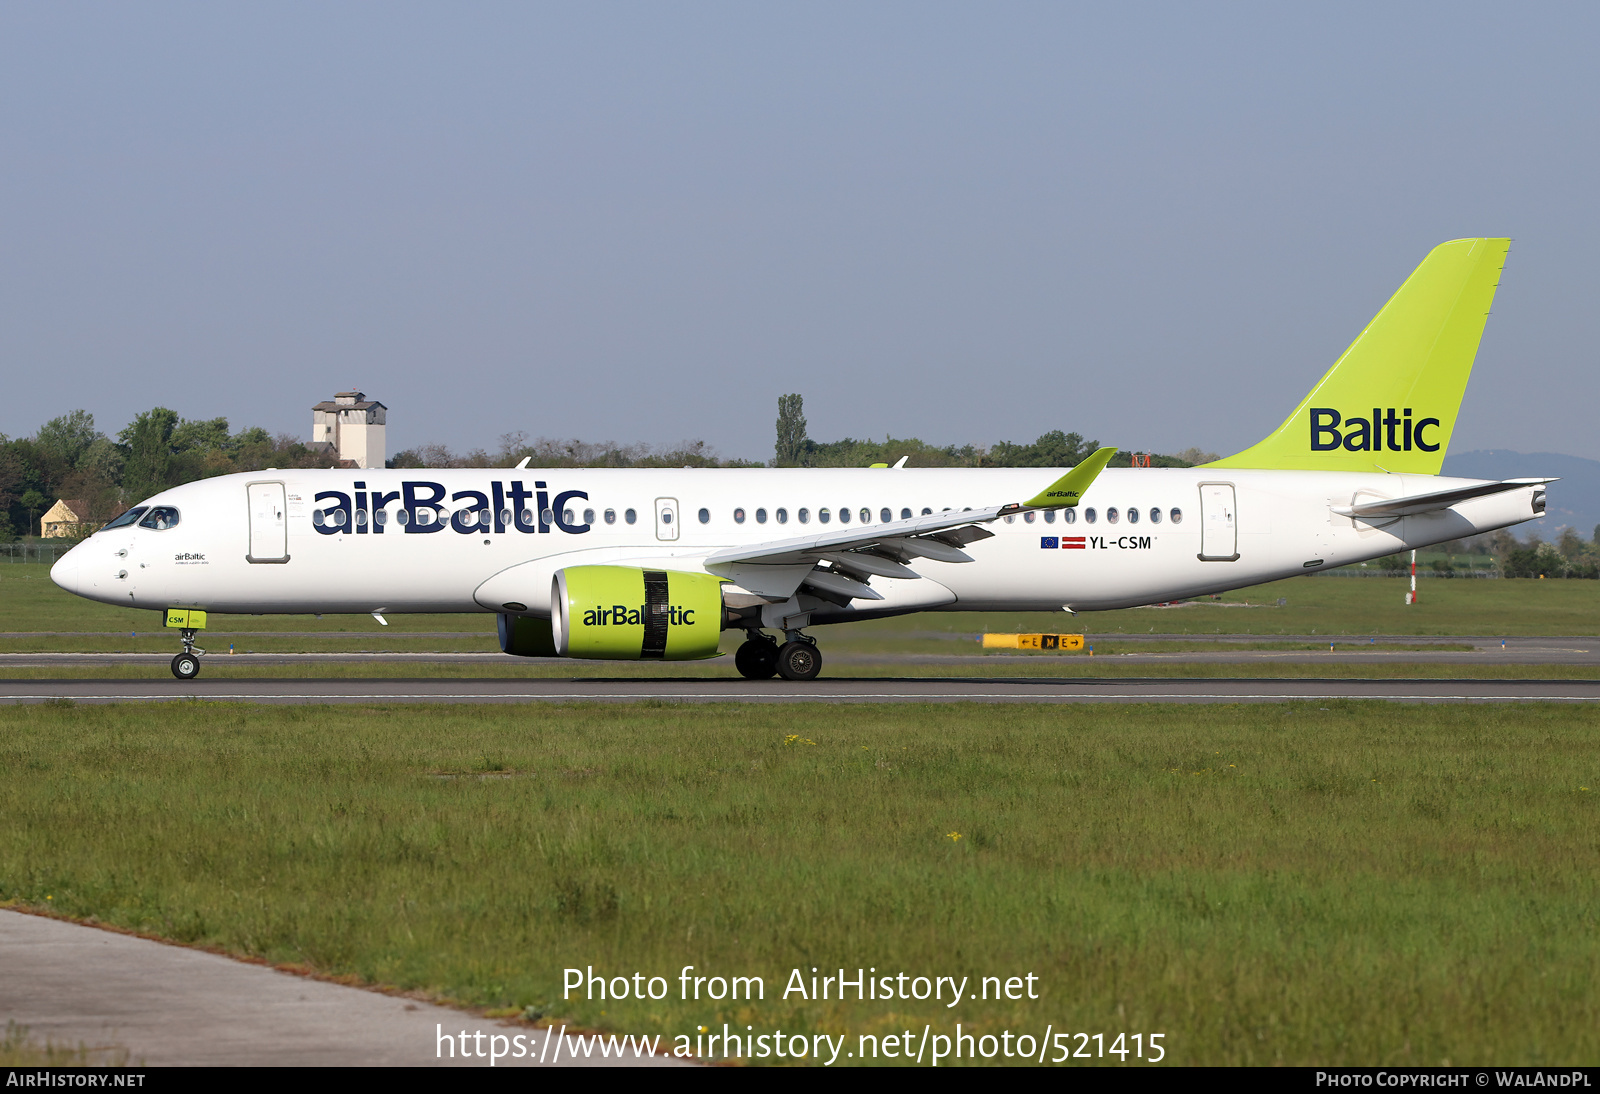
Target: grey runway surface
(720, 689)
(1228, 649)
(154, 1004)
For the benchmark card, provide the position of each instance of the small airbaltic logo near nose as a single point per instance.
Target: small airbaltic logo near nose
(188, 557)
(1369, 434)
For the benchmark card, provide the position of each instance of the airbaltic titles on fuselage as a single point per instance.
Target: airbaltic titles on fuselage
(503, 508)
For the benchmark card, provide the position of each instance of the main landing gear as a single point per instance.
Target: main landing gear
(761, 658)
(186, 666)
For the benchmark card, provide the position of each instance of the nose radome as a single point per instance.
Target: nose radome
(65, 572)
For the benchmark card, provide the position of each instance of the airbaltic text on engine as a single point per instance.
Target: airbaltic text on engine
(620, 615)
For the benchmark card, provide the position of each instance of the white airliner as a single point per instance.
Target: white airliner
(632, 564)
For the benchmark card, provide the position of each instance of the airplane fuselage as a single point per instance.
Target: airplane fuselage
(484, 540)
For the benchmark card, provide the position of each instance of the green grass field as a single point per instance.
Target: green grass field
(1361, 884)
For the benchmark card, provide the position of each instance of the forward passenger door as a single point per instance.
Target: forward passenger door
(269, 529)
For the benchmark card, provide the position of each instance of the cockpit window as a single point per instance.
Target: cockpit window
(129, 517)
(160, 518)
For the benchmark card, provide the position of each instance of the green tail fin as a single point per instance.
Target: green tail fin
(1408, 370)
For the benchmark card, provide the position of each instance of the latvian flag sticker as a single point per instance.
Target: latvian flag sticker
(1072, 543)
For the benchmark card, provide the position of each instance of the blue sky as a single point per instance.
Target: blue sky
(1153, 224)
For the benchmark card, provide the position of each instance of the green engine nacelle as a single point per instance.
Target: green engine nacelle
(623, 613)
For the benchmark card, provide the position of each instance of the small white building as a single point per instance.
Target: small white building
(353, 426)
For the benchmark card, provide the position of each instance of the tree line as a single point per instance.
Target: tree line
(1570, 556)
(69, 458)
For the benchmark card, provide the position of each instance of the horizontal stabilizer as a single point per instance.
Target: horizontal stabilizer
(1390, 508)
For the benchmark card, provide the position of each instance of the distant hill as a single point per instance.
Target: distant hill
(1573, 502)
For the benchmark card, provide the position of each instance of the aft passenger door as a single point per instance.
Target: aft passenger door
(1219, 523)
(667, 518)
(269, 529)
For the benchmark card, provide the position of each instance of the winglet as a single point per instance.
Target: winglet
(1068, 489)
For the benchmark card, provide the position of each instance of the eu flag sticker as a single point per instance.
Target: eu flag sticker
(1049, 542)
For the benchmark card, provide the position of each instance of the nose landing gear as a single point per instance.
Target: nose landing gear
(761, 658)
(186, 666)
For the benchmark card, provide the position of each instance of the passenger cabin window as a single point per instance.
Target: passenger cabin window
(1175, 515)
(1029, 515)
(1155, 516)
(761, 516)
(866, 516)
(782, 515)
(1050, 516)
(381, 516)
(1090, 515)
(163, 517)
(588, 517)
(1133, 515)
(823, 515)
(926, 511)
(1111, 515)
(803, 515)
(611, 516)
(905, 514)
(1069, 516)
(885, 516)
(705, 516)
(844, 516)
(129, 517)
(630, 516)
(738, 516)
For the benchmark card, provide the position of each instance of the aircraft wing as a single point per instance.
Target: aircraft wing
(1389, 508)
(840, 564)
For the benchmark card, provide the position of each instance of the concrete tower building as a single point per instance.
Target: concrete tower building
(352, 426)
